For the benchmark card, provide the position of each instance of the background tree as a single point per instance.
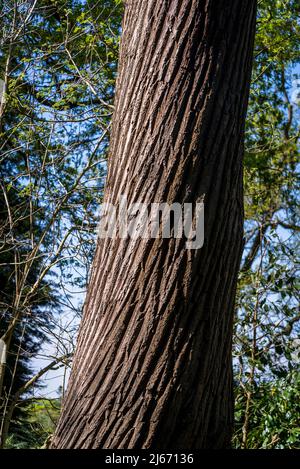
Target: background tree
(268, 315)
(57, 66)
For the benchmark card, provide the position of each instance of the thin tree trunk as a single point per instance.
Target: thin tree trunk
(153, 362)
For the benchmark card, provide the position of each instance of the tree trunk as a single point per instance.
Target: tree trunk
(153, 362)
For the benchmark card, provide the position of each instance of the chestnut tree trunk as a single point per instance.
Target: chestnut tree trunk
(153, 366)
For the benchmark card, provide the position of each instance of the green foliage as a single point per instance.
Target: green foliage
(58, 62)
(41, 419)
(268, 318)
(275, 414)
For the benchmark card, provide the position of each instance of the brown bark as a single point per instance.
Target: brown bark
(153, 361)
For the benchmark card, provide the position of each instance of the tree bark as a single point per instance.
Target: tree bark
(153, 362)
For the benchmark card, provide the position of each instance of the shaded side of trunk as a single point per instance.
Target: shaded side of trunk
(153, 361)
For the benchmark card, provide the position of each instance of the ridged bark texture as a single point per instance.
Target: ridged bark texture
(153, 362)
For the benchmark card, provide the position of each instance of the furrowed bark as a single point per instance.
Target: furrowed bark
(153, 361)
